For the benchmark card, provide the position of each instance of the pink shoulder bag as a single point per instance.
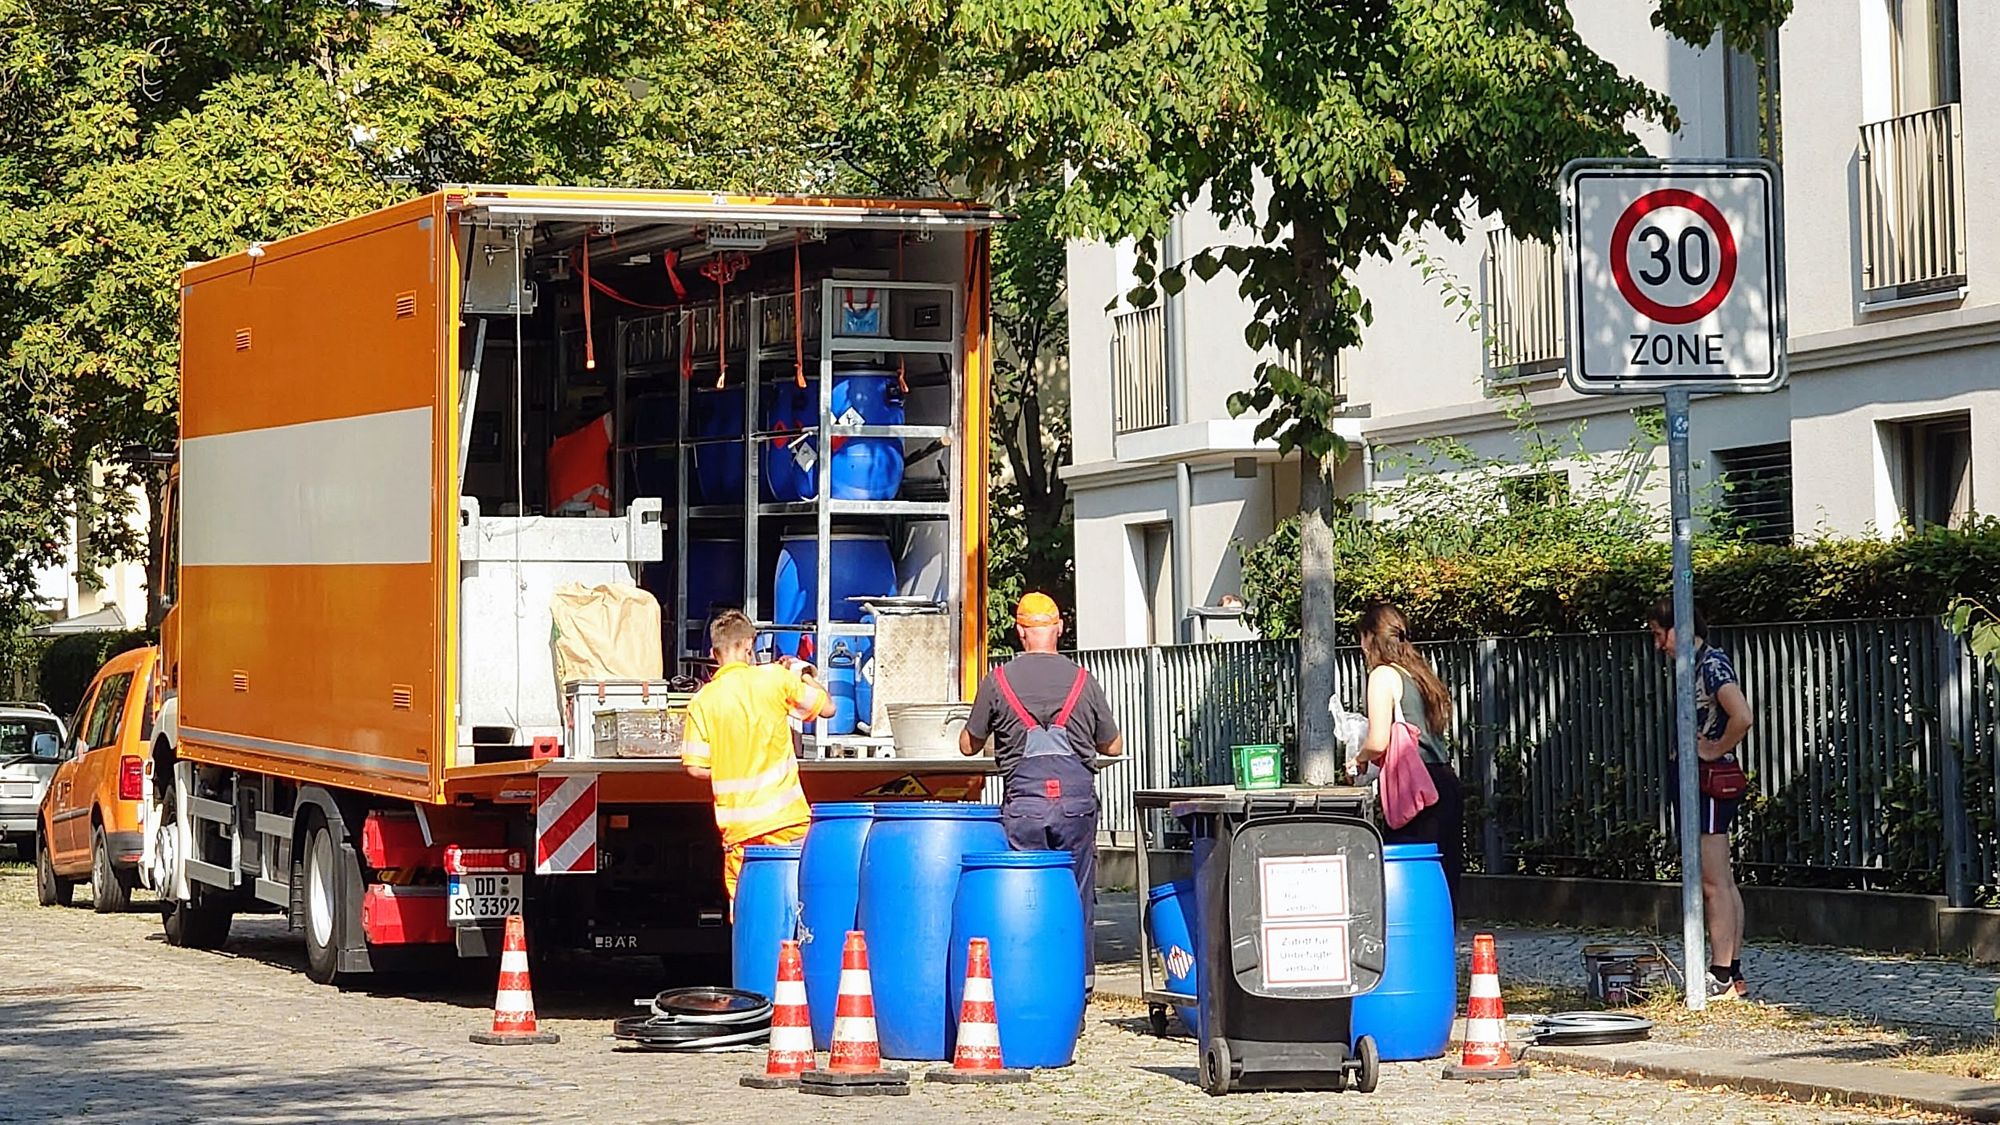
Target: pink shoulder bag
(1406, 786)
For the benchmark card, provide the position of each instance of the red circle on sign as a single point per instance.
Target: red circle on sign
(1621, 270)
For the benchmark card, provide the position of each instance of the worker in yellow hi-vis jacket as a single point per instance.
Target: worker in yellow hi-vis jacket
(739, 738)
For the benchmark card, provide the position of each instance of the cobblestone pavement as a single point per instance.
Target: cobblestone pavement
(1884, 988)
(99, 1019)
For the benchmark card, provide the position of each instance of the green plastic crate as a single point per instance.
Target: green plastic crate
(1258, 766)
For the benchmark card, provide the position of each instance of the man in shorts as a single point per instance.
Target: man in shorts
(1721, 719)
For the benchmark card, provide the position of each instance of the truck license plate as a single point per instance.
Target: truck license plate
(481, 898)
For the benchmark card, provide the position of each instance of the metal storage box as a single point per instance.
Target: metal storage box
(651, 732)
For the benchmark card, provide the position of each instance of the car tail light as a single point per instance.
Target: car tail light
(131, 777)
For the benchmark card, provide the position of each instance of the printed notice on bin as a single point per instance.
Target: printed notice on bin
(1303, 886)
(1306, 953)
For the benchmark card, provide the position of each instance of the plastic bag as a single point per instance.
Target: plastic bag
(606, 633)
(1350, 727)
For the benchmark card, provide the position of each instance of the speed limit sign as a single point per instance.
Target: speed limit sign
(1674, 278)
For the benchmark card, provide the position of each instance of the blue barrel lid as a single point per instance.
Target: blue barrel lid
(1168, 890)
(935, 810)
(844, 810)
(1017, 859)
(772, 851)
(1394, 852)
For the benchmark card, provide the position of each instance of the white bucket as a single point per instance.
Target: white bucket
(927, 730)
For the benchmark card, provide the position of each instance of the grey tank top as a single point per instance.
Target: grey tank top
(1410, 708)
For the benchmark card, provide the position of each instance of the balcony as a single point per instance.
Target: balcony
(1140, 399)
(1912, 182)
(1524, 306)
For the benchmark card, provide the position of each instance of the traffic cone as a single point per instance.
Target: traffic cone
(791, 1052)
(1485, 1055)
(854, 1065)
(514, 1005)
(977, 1058)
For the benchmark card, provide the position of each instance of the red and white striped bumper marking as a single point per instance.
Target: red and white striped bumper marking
(566, 825)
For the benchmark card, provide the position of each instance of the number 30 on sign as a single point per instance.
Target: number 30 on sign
(1673, 277)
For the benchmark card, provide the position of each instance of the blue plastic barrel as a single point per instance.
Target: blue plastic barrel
(718, 468)
(1024, 904)
(1168, 906)
(829, 884)
(841, 676)
(862, 567)
(909, 880)
(863, 468)
(791, 409)
(767, 903)
(1410, 1012)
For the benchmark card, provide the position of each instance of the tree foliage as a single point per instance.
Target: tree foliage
(1033, 548)
(1331, 132)
(145, 135)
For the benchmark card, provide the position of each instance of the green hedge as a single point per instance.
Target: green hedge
(69, 662)
(1531, 587)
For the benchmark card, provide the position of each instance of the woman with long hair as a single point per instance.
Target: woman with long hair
(1402, 686)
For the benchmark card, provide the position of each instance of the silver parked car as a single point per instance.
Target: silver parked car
(31, 740)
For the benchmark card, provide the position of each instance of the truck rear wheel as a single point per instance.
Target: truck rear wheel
(323, 858)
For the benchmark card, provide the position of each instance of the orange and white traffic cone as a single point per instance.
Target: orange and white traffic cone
(977, 1058)
(1485, 1055)
(514, 1005)
(854, 1065)
(791, 1052)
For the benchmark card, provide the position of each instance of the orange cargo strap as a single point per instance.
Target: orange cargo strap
(798, 314)
(589, 337)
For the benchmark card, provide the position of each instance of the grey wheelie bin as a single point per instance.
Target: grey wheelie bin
(1289, 927)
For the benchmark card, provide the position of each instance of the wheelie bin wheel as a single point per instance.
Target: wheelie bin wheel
(1371, 1065)
(1215, 1067)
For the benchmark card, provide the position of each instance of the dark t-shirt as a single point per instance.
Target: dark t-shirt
(1042, 681)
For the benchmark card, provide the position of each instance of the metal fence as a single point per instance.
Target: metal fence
(1873, 758)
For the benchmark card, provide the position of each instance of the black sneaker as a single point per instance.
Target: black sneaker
(1719, 990)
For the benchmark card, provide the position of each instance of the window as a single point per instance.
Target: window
(1925, 54)
(1156, 571)
(1524, 306)
(1756, 485)
(1912, 177)
(1751, 116)
(106, 712)
(1933, 462)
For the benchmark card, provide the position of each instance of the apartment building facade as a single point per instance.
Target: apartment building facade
(1890, 155)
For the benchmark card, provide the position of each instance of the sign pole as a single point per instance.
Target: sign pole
(1693, 929)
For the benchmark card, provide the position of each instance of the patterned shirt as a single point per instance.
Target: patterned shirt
(1712, 672)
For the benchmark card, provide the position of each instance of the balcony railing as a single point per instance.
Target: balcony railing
(1913, 205)
(1139, 370)
(1524, 305)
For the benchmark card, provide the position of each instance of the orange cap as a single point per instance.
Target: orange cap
(1036, 608)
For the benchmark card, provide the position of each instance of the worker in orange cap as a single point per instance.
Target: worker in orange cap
(1050, 724)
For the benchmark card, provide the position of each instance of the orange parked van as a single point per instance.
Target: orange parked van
(90, 830)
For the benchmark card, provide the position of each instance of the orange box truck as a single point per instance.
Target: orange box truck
(379, 490)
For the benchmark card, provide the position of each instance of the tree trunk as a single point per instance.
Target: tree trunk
(1319, 756)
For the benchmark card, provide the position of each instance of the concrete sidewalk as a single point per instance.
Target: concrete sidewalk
(1896, 992)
